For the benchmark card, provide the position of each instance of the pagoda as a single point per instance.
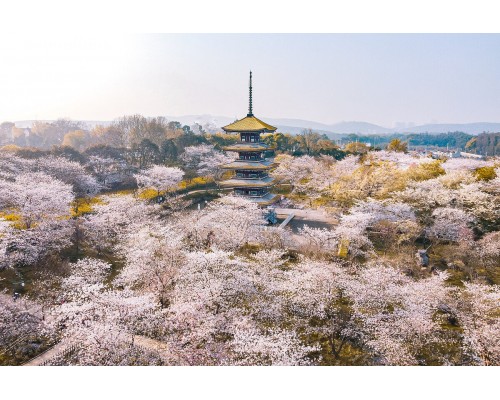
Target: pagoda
(251, 169)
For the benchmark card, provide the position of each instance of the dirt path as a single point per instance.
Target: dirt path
(152, 344)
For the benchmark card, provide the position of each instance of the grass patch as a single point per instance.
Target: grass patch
(82, 206)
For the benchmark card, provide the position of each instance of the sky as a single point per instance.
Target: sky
(386, 79)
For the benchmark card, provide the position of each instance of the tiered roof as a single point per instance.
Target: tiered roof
(249, 124)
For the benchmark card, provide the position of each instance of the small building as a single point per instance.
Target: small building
(251, 177)
(471, 155)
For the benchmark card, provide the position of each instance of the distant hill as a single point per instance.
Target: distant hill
(359, 127)
(296, 126)
(290, 125)
(343, 127)
(474, 128)
(29, 123)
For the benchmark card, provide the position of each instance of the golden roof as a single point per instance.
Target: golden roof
(249, 124)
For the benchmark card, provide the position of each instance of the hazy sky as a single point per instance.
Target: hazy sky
(378, 78)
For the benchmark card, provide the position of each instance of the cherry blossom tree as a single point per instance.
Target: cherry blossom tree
(218, 286)
(207, 298)
(69, 172)
(153, 255)
(104, 167)
(463, 164)
(227, 223)
(353, 226)
(396, 313)
(36, 197)
(26, 247)
(477, 312)
(456, 177)
(451, 224)
(489, 248)
(274, 237)
(317, 305)
(294, 169)
(478, 202)
(12, 165)
(159, 178)
(319, 240)
(402, 160)
(252, 346)
(205, 159)
(103, 320)
(113, 218)
(41, 205)
(20, 323)
(426, 195)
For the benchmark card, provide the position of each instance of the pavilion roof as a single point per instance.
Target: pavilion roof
(249, 124)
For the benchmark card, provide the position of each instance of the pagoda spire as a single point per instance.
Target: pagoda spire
(250, 113)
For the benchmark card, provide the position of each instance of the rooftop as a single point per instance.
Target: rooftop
(249, 124)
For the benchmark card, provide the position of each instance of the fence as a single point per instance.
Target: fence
(66, 352)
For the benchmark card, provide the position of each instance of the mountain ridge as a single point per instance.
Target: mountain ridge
(296, 126)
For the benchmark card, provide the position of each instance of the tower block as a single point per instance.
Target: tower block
(251, 170)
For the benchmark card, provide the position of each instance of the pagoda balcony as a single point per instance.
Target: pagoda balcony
(247, 147)
(254, 194)
(262, 164)
(248, 182)
(244, 176)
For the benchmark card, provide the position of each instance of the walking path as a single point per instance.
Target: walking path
(152, 344)
(50, 354)
(68, 345)
(287, 220)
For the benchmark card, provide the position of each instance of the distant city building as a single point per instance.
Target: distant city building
(455, 154)
(471, 155)
(445, 154)
(251, 170)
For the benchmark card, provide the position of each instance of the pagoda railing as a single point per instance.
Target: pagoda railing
(251, 195)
